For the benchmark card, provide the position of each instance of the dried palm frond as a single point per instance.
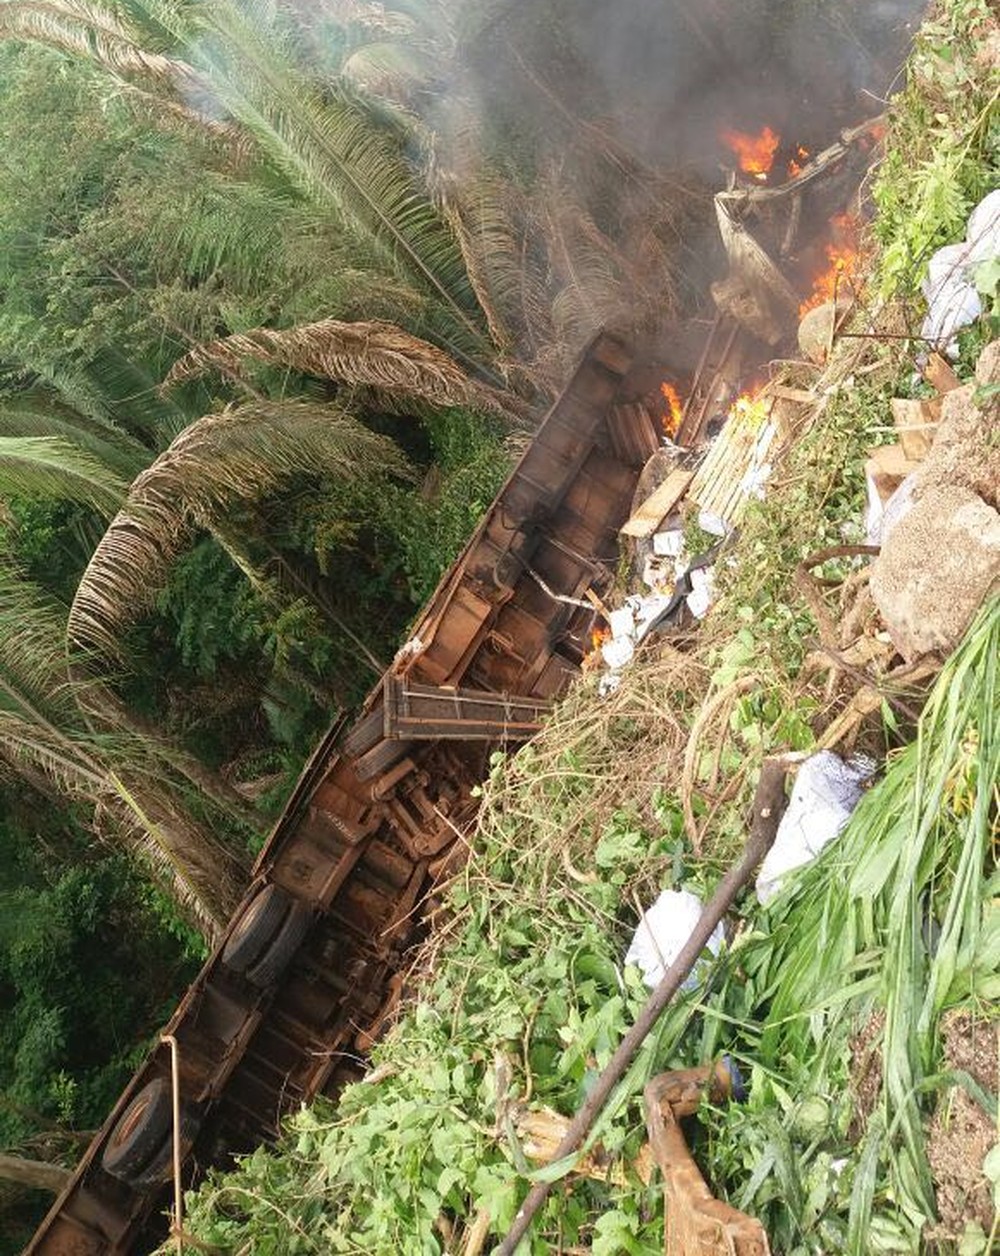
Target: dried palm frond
(48, 466)
(478, 215)
(591, 291)
(205, 873)
(32, 646)
(92, 31)
(237, 456)
(376, 354)
(390, 71)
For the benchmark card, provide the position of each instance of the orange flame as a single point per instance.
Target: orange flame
(796, 163)
(755, 152)
(842, 256)
(598, 636)
(750, 408)
(675, 408)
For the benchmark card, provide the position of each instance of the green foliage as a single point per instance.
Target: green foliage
(943, 147)
(87, 968)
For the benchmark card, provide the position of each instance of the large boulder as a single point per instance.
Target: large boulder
(936, 568)
(966, 448)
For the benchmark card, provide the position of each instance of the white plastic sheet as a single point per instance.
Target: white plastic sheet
(662, 932)
(952, 299)
(826, 791)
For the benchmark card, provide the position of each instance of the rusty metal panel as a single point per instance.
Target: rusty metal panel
(431, 711)
(467, 614)
(635, 435)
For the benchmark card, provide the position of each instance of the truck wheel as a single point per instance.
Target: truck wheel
(279, 954)
(140, 1132)
(161, 1164)
(256, 928)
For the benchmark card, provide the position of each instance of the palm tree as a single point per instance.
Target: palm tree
(46, 738)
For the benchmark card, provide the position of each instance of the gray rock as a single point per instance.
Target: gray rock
(937, 567)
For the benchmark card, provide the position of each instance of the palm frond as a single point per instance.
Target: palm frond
(203, 873)
(33, 669)
(38, 413)
(221, 460)
(329, 146)
(391, 72)
(371, 353)
(49, 466)
(91, 31)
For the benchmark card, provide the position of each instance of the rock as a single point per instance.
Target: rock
(966, 447)
(936, 568)
(988, 366)
(815, 329)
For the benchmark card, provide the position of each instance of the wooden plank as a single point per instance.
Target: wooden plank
(940, 375)
(916, 424)
(658, 505)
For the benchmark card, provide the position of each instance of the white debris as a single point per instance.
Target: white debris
(952, 299)
(825, 793)
(658, 573)
(881, 517)
(669, 544)
(662, 932)
(715, 525)
(622, 622)
(702, 591)
(617, 652)
(608, 683)
(409, 649)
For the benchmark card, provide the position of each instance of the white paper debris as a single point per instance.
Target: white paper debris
(669, 543)
(622, 622)
(617, 652)
(663, 930)
(715, 525)
(702, 591)
(608, 683)
(881, 517)
(825, 793)
(952, 299)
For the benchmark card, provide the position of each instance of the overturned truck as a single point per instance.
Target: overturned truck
(310, 966)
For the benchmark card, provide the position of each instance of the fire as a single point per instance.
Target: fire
(675, 408)
(796, 163)
(598, 636)
(751, 409)
(755, 152)
(842, 259)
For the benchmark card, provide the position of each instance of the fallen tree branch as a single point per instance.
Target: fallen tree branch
(769, 803)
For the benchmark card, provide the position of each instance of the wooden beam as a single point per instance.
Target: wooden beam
(658, 505)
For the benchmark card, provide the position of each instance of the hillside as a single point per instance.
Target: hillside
(860, 1002)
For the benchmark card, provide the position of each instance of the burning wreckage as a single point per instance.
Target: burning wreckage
(789, 230)
(310, 968)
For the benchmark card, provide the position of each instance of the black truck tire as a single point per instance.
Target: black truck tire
(256, 928)
(279, 954)
(140, 1132)
(160, 1165)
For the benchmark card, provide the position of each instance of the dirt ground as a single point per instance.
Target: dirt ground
(960, 1133)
